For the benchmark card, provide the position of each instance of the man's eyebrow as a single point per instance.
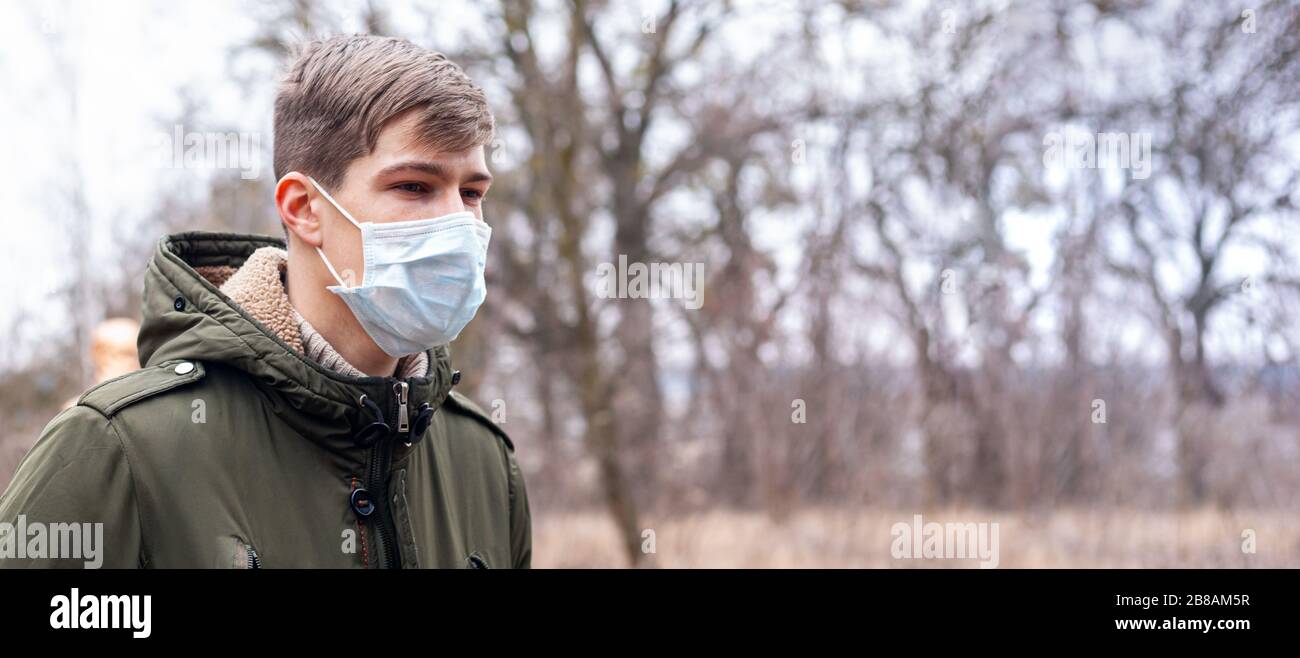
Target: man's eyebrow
(431, 168)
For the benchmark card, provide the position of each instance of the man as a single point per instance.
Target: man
(112, 350)
(295, 407)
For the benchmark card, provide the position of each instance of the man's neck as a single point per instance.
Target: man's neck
(332, 318)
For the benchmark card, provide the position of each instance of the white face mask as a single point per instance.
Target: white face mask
(423, 279)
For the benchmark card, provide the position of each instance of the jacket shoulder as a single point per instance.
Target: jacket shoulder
(461, 404)
(116, 394)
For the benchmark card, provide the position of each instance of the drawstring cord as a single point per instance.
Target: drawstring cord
(374, 430)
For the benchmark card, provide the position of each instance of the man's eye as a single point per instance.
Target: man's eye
(414, 188)
(473, 194)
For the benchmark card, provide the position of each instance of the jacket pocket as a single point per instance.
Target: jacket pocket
(243, 555)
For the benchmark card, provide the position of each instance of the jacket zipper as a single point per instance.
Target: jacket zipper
(254, 562)
(380, 459)
(400, 389)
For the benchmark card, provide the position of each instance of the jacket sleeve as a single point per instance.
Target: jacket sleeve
(77, 473)
(521, 520)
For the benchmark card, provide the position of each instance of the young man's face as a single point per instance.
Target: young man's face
(400, 180)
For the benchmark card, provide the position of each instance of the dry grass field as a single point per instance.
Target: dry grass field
(820, 538)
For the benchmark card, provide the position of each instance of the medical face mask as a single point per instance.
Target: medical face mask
(423, 279)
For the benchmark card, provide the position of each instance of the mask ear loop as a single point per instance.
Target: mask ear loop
(346, 215)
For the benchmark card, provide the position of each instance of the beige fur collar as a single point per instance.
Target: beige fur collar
(258, 288)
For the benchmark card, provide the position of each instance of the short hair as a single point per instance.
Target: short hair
(340, 91)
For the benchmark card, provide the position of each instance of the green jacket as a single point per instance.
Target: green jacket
(230, 449)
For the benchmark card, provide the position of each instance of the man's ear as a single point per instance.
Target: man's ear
(293, 200)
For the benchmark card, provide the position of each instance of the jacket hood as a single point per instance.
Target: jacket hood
(187, 317)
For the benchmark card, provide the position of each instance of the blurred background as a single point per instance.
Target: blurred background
(911, 303)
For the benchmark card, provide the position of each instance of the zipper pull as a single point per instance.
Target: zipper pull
(403, 416)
